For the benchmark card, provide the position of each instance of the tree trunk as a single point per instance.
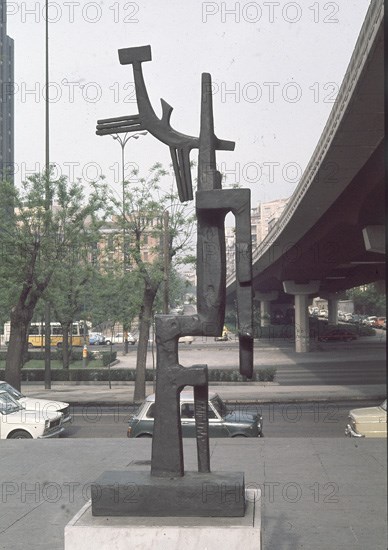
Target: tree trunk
(21, 317)
(65, 345)
(145, 319)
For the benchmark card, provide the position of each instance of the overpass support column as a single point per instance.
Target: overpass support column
(301, 293)
(332, 308)
(265, 299)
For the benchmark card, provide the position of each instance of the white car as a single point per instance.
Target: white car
(43, 406)
(368, 421)
(186, 340)
(119, 338)
(18, 423)
(370, 320)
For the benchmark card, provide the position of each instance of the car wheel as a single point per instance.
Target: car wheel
(20, 434)
(108, 342)
(59, 345)
(30, 345)
(145, 435)
(239, 435)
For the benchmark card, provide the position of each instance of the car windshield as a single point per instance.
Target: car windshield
(219, 405)
(384, 405)
(11, 390)
(8, 404)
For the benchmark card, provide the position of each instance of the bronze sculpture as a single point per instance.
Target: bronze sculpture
(168, 479)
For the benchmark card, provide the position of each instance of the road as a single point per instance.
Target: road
(280, 420)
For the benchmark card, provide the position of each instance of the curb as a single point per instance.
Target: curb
(245, 401)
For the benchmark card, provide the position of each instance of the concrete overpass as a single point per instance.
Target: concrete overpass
(331, 236)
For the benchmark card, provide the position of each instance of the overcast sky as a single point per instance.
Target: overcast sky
(276, 69)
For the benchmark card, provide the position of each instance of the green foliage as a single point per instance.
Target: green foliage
(113, 298)
(37, 241)
(115, 294)
(368, 299)
(261, 375)
(45, 243)
(129, 375)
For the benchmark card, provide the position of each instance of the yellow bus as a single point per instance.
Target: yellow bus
(36, 338)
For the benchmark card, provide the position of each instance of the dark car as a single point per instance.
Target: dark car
(338, 335)
(223, 422)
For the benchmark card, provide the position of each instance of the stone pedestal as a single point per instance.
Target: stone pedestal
(87, 532)
(126, 493)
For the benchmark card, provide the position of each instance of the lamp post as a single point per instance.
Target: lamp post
(166, 260)
(123, 142)
(47, 313)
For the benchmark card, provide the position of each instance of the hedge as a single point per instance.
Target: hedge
(128, 375)
(76, 355)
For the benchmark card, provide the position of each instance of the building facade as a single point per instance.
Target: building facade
(263, 218)
(7, 97)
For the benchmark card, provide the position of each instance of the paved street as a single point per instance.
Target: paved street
(314, 419)
(342, 363)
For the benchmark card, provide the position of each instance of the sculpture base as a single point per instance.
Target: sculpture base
(123, 493)
(86, 532)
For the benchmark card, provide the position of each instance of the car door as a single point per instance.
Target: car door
(217, 426)
(216, 423)
(187, 419)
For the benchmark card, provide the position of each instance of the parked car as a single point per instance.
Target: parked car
(186, 340)
(18, 423)
(223, 422)
(337, 335)
(118, 338)
(378, 323)
(356, 318)
(224, 336)
(368, 421)
(98, 339)
(44, 406)
(370, 320)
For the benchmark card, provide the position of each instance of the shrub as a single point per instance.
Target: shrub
(128, 375)
(108, 357)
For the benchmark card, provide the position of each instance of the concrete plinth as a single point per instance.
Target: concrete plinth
(128, 493)
(87, 532)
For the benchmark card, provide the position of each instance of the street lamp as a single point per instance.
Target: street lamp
(47, 312)
(123, 140)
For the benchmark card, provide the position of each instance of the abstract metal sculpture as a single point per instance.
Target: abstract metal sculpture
(168, 480)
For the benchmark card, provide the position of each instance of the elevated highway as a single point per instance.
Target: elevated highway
(330, 237)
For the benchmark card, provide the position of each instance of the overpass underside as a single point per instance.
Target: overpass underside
(331, 236)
